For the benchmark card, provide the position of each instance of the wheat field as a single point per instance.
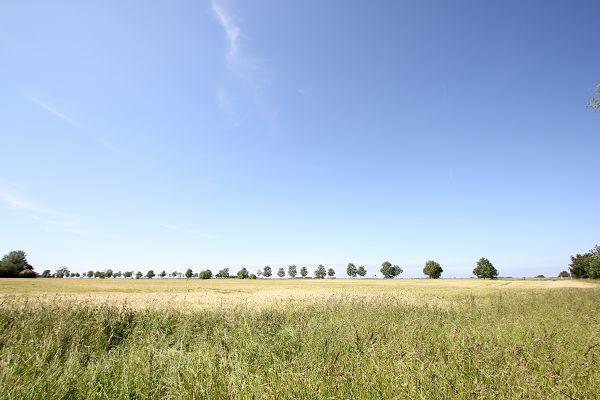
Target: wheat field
(307, 339)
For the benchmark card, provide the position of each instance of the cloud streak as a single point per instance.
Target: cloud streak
(188, 230)
(250, 78)
(37, 213)
(71, 121)
(232, 31)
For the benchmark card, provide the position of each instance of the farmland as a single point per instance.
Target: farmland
(284, 338)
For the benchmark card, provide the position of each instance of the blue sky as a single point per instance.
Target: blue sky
(141, 135)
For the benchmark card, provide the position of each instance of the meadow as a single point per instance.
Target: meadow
(307, 339)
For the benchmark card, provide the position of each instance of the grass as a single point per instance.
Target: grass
(277, 339)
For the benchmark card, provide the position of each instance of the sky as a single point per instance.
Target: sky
(229, 133)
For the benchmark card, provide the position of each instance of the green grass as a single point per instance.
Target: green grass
(467, 340)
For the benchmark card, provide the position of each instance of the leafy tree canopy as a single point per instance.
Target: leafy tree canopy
(485, 269)
(390, 271)
(433, 269)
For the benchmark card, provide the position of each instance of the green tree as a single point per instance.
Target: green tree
(320, 272)
(351, 270)
(223, 273)
(163, 274)
(90, 274)
(14, 264)
(304, 272)
(580, 265)
(485, 269)
(243, 273)
(564, 274)
(138, 275)
(390, 271)
(109, 273)
(128, 274)
(292, 271)
(433, 269)
(251, 276)
(361, 271)
(331, 272)
(150, 274)
(594, 269)
(62, 272)
(281, 272)
(206, 274)
(594, 103)
(46, 273)
(267, 272)
(189, 273)
(118, 274)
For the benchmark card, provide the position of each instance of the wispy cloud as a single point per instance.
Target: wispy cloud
(11, 196)
(188, 230)
(232, 31)
(52, 110)
(250, 77)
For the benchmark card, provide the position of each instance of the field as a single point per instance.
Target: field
(275, 339)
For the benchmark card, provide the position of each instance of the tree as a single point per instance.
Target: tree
(243, 273)
(118, 274)
(303, 272)
(351, 270)
(580, 265)
(163, 274)
(594, 103)
(150, 274)
(251, 276)
(62, 272)
(361, 271)
(433, 269)
(281, 272)
(189, 273)
(46, 273)
(292, 271)
(206, 274)
(320, 272)
(564, 274)
(109, 273)
(594, 270)
(485, 269)
(390, 271)
(128, 274)
(138, 275)
(90, 274)
(267, 271)
(14, 264)
(331, 272)
(223, 273)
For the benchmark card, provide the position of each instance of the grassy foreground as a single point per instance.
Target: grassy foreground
(334, 339)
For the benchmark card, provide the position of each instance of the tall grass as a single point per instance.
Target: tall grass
(522, 344)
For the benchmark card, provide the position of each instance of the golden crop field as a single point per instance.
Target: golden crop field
(295, 338)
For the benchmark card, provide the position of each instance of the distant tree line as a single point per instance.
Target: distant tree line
(15, 265)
